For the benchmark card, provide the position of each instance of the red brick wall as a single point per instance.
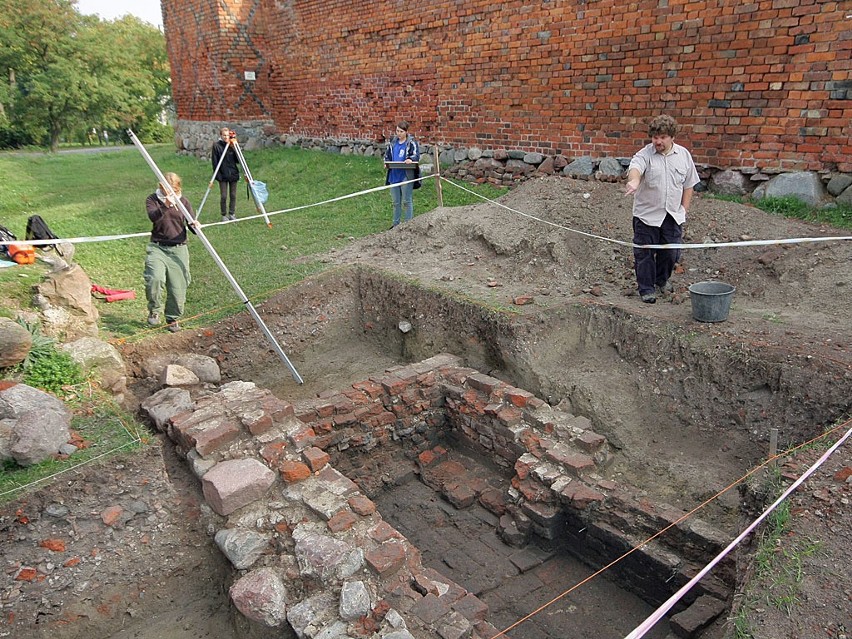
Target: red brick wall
(763, 84)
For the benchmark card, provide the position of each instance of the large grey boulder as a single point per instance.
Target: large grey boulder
(15, 343)
(839, 183)
(730, 183)
(804, 185)
(583, 166)
(37, 435)
(35, 424)
(165, 404)
(6, 426)
(20, 398)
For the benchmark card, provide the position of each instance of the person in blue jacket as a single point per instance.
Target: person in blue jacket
(402, 148)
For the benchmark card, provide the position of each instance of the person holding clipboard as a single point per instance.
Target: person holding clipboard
(402, 149)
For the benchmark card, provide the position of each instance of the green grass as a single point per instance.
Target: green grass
(104, 194)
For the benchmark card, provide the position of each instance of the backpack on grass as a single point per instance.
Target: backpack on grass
(37, 229)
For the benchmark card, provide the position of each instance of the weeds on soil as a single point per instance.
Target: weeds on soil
(839, 215)
(100, 429)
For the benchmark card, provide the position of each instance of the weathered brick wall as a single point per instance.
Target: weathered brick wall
(763, 84)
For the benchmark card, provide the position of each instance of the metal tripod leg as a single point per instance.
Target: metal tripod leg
(258, 204)
(199, 232)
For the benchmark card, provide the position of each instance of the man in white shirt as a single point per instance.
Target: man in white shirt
(661, 177)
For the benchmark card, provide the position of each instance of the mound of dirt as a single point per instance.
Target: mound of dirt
(538, 241)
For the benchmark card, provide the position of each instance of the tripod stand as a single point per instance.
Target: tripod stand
(232, 142)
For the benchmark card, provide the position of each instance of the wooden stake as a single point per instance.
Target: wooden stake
(773, 444)
(438, 186)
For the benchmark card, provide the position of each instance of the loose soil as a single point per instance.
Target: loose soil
(582, 339)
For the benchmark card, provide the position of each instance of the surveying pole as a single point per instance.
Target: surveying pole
(200, 234)
(250, 180)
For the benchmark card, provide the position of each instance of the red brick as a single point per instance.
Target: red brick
(111, 515)
(315, 458)
(54, 545)
(344, 520)
(292, 471)
(362, 505)
(387, 558)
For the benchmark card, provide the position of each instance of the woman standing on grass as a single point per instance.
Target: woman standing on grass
(402, 148)
(167, 256)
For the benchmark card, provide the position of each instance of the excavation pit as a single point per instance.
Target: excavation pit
(545, 497)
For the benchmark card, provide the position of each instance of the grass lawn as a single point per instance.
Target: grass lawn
(94, 194)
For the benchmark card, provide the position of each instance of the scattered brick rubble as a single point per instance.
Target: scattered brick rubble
(313, 551)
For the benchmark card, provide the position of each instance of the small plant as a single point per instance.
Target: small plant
(52, 371)
(788, 206)
(42, 345)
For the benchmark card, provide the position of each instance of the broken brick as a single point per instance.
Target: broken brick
(315, 458)
(293, 471)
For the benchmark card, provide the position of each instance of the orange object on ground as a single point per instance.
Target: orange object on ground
(22, 253)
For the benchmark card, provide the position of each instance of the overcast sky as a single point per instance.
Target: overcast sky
(147, 10)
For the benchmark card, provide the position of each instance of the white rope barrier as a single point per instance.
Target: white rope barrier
(107, 238)
(631, 245)
(794, 240)
(658, 614)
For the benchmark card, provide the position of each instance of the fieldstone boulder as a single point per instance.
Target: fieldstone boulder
(583, 166)
(6, 439)
(37, 435)
(177, 375)
(610, 167)
(261, 597)
(204, 367)
(20, 398)
(839, 183)
(98, 357)
(241, 547)
(165, 404)
(845, 197)
(730, 183)
(804, 185)
(65, 301)
(354, 600)
(309, 615)
(15, 342)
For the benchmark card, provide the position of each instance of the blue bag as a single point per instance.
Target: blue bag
(261, 193)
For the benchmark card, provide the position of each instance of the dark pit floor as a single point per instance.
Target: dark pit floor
(463, 545)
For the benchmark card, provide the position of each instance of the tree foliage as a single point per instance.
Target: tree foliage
(69, 74)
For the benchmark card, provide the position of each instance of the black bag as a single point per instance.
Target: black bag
(6, 236)
(418, 183)
(37, 229)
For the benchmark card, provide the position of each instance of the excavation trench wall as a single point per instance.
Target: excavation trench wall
(740, 390)
(264, 464)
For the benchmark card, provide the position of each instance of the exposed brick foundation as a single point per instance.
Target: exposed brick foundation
(315, 516)
(760, 85)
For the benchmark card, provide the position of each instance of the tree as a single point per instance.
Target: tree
(72, 71)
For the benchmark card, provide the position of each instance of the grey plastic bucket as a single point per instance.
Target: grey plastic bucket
(711, 301)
